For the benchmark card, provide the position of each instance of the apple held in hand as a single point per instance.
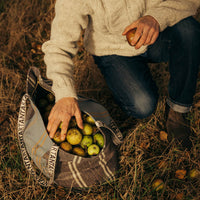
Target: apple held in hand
(130, 35)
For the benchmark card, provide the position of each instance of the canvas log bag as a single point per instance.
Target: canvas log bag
(46, 161)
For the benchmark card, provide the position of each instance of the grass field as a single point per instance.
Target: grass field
(143, 157)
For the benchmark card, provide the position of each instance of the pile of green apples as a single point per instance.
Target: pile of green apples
(82, 142)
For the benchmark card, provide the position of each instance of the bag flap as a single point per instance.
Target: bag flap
(36, 138)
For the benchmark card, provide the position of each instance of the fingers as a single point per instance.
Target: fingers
(148, 37)
(55, 119)
(130, 27)
(62, 111)
(64, 127)
(139, 38)
(52, 127)
(154, 37)
(79, 120)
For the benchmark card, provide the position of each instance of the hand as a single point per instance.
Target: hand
(147, 31)
(62, 111)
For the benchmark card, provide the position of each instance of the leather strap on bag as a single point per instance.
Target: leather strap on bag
(26, 160)
(117, 137)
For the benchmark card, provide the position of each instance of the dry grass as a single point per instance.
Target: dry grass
(24, 27)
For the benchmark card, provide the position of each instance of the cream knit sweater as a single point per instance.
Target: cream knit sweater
(103, 21)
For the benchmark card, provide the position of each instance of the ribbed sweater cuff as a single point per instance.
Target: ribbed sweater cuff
(64, 92)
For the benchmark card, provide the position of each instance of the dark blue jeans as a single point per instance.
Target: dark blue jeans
(130, 80)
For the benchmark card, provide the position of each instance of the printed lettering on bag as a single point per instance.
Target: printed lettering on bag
(52, 159)
(21, 140)
(116, 130)
(28, 165)
(22, 112)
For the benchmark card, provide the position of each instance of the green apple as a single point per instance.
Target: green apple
(57, 137)
(74, 136)
(66, 146)
(87, 129)
(93, 150)
(86, 141)
(79, 151)
(89, 120)
(99, 139)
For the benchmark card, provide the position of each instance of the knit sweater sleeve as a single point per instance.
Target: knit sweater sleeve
(169, 12)
(70, 18)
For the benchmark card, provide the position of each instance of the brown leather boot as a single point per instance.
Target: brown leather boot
(178, 128)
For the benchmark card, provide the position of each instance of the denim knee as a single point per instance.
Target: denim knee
(187, 32)
(142, 107)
